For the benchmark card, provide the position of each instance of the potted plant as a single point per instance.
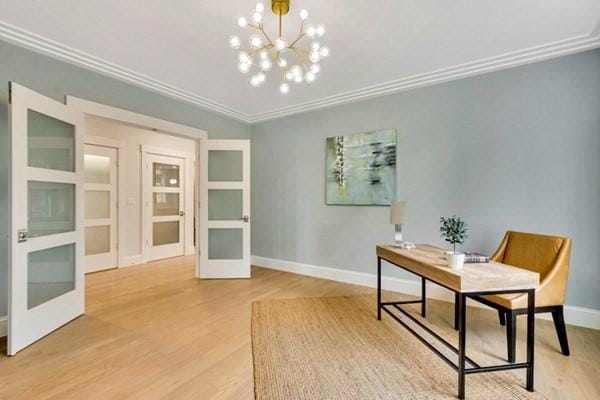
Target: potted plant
(454, 231)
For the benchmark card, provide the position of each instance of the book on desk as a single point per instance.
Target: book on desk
(476, 258)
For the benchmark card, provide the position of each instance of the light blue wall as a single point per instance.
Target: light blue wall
(56, 79)
(515, 149)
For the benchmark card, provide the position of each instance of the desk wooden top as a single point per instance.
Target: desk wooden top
(430, 262)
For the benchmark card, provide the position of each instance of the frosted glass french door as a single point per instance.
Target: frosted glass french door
(100, 167)
(46, 264)
(225, 209)
(164, 215)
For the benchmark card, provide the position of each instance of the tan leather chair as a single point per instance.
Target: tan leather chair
(547, 255)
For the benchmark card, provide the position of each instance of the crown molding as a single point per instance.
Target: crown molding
(503, 61)
(54, 49)
(57, 50)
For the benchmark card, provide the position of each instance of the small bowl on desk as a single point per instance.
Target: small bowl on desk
(456, 260)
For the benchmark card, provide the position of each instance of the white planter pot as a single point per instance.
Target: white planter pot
(456, 260)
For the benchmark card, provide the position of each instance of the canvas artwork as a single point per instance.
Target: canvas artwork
(361, 168)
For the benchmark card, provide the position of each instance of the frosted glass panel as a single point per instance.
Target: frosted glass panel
(51, 208)
(165, 233)
(225, 166)
(225, 244)
(224, 204)
(165, 175)
(97, 169)
(50, 142)
(97, 240)
(97, 204)
(165, 204)
(50, 273)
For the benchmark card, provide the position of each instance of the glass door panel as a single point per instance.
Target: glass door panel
(50, 273)
(51, 208)
(97, 204)
(97, 240)
(97, 168)
(225, 166)
(164, 204)
(225, 204)
(51, 142)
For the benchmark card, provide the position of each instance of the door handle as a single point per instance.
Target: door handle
(22, 235)
(181, 213)
(245, 218)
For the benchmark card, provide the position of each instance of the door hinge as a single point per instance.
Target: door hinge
(9, 92)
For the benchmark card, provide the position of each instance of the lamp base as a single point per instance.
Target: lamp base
(404, 245)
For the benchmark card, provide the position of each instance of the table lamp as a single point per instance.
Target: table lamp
(397, 217)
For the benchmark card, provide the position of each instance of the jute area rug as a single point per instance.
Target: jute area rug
(334, 348)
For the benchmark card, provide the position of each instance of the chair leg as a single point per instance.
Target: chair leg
(561, 329)
(511, 335)
(502, 317)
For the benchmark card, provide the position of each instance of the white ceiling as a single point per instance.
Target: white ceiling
(378, 46)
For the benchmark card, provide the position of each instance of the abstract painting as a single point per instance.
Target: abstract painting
(361, 168)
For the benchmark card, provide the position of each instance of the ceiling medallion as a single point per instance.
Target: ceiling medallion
(297, 60)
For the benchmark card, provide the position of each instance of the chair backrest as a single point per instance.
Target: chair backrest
(533, 252)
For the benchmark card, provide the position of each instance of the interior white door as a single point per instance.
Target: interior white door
(100, 167)
(46, 266)
(164, 206)
(224, 209)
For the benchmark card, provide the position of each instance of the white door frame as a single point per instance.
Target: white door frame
(189, 160)
(156, 124)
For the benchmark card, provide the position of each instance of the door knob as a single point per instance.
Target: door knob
(181, 213)
(22, 235)
(245, 218)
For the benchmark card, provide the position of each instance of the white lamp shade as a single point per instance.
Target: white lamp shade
(397, 213)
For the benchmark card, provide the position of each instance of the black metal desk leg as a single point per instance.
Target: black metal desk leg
(423, 298)
(530, 336)
(456, 309)
(379, 288)
(462, 331)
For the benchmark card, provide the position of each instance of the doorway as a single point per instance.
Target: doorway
(47, 185)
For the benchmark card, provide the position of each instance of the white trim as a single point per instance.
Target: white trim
(55, 49)
(127, 261)
(3, 325)
(579, 316)
(58, 50)
(133, 118)
(104, 141)
(163, 151)
(478, 67)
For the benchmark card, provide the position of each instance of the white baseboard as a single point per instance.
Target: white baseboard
(126, 261)
(3, 326)
(579, 316)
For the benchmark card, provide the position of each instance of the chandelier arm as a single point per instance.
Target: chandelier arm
(263, 47)
(297, 49)
(297, 40)
(261, 28)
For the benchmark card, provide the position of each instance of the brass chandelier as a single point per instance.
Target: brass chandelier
(298, 61)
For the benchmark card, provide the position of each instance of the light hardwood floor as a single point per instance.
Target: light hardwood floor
(155, 332)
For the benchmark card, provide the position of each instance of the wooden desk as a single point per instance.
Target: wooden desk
(473, 280)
